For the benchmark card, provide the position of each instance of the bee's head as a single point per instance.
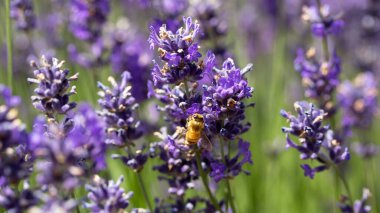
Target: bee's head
(197, 117)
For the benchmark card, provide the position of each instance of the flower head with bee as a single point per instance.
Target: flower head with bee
(199, 119)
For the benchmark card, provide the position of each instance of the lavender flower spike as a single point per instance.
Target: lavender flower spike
(52, 95)
(15, 158)
(317, 141)
(307, 126)
(319, 79)
(118, 110)
(107, 197)
(359, 101)
(178, 52)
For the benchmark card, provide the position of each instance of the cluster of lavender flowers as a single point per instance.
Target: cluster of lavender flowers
(320, 73)
(65, 150)
(316, 141)
(203, 100)
(217, 107)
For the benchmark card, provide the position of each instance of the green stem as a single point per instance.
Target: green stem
(229, 191)
(230, 196)
(337, 190)
(9, 43)
(146, 197)
(142, 185)
(76, 207)
(373, 183)
(345, 183)
(205, 180)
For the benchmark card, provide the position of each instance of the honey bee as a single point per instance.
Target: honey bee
(195, 126)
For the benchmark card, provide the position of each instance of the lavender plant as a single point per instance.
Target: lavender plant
(316, 141)
(190, 152)
(199, 119)
(123, 127)
(325, 143)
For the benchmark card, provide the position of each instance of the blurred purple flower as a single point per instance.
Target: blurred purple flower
(22, 12)
(17, 201)
(360, 206)
(128, 54)
(322, 22)
(15, 157)
(358, 100)
(106, 196)
(366, 150)
(319, 79)
(87, 18)
(213, 27)
(70, 151)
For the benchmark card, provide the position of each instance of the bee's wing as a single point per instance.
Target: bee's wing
(206, 143)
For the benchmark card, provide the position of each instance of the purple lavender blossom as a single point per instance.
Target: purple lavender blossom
(52, 95)
(360, 206)
(15, 158)
(70, 151)
(119, 110)
(107, 196)
(22, 12)
(88, 17)
(179, 53)
(15, 201)
(176, 169)
(233, 166)
(307, 126)
(322, 22)
(319, 79)
(223, 101)
(358, 100)
(317, 141)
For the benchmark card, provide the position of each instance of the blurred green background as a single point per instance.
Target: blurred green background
(276, 183)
